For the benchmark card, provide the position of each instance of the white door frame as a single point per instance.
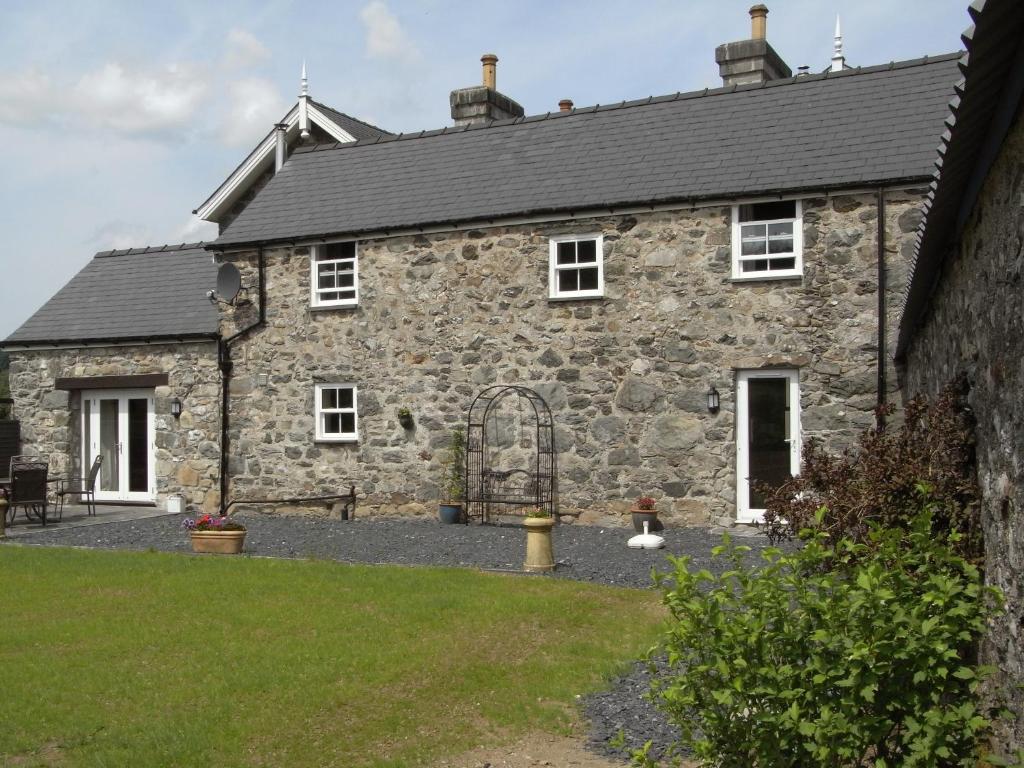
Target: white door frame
(744, 513)
(90, 451)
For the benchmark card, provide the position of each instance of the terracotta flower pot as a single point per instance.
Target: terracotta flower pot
(218, 542)
(539, 554)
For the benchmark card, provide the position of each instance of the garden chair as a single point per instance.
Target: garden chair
(28, 487)
(82, 487)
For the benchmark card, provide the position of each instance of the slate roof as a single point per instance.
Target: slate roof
(979, 115)
(358, 129)
(138, 293)
(845, 129)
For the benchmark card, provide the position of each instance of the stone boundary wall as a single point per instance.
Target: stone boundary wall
(443, 315)
(187, 449)
(975, 325)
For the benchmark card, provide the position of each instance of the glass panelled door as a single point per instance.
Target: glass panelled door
(767, 437)
(117, 425)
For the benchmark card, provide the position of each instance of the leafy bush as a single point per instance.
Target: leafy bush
(835, 655)
(453, 468)
(877, 484)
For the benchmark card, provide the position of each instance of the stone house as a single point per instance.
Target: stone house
(624, 261)
(964, 312)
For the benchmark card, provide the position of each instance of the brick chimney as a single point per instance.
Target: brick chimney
(753, 60)
(482, 103)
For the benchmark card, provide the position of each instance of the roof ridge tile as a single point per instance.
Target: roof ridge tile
(637, 103)
(150, 249)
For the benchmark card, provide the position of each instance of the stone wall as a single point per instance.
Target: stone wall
(187, 449)
(443, 315)
(975, 325)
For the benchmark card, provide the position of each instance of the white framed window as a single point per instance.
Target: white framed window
(337, 418)
(767, 239)
(576, 267)
(334, 275)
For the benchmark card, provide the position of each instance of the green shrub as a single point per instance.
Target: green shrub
(834, 655)
(877, 483)
(453, 468)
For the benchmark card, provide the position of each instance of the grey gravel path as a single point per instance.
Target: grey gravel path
(584, 553)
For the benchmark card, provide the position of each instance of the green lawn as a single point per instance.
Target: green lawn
(147, 659)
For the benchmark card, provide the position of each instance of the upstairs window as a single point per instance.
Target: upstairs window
(577, 267)
(336, 417)
(335, 278)
(767, 240)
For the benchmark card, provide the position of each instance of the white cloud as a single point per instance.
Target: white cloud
(385, 38)
(243, 49)
(137, 101)
(253, 106)
(119, 234)
(195, 230)
(26, 97)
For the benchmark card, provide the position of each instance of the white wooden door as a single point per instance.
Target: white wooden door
(118, 425)
(767, 436)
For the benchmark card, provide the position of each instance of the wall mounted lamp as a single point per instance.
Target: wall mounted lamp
(713, 399)
(176, 408)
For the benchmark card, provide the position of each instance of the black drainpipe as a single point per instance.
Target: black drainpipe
(882, 352)
(224, 362)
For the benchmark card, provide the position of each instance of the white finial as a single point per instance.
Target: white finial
(838, 60)
(303, 104)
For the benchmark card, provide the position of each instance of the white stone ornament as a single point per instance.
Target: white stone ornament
(646, 540)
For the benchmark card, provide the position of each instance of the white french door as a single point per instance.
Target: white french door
(767, 436)
(117, 424)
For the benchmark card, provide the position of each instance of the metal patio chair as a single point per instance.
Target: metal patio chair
(82, 487)
(28, 488)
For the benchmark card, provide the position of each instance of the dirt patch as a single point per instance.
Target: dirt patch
(537, 751)
(49, 754)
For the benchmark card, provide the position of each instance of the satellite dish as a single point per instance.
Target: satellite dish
(229, 282)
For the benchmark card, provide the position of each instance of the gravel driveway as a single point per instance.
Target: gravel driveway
(584, 553)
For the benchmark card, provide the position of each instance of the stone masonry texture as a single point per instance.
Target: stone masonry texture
(186, 449)
(441, 316)
(975, 325)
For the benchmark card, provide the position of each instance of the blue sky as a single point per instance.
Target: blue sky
(118, 118)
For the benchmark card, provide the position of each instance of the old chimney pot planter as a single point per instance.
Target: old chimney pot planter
(539, 553)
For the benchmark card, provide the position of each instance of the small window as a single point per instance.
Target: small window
(577, 268)
(335, 277)
(336, 418)
(767, 240)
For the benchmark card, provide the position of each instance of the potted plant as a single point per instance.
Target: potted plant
(539, 553)
(405, 418)
(643, 511)
(453, 479)
(220, 535)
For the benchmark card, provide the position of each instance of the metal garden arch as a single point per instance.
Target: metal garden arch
(492, 490)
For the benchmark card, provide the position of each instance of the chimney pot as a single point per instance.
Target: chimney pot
(759, 22)
(483, 103)
(565, 105)
(752, 60)
(490, 62)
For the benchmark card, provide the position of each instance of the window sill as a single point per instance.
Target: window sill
(335, 440)
(767, 278)
(596, 297)
(332, 307)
